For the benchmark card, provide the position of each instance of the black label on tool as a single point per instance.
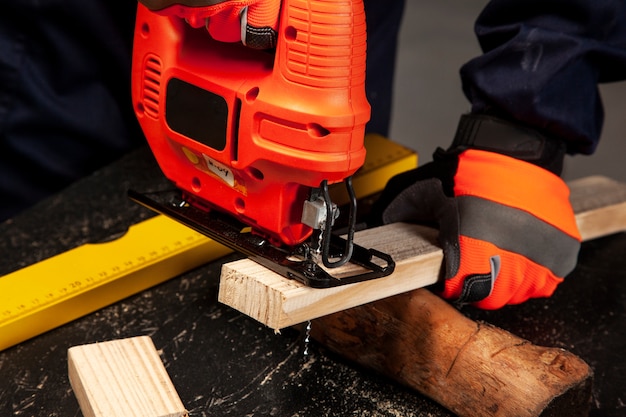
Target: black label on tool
(196, 113)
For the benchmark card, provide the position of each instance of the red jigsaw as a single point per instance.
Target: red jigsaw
(256, 134)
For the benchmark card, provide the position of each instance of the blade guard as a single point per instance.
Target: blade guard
(251, 132)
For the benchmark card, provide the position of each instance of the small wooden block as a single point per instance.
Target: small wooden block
(122, 378)
(599, 204)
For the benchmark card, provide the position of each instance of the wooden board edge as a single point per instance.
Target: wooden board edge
(277, 302)
(110, 378)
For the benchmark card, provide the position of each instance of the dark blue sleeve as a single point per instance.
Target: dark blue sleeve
(65, 106)
(383, 27)
(542, 62)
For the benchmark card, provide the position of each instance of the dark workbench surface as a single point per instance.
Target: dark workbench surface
(224, 363)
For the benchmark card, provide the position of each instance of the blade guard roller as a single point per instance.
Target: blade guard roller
(251, 132)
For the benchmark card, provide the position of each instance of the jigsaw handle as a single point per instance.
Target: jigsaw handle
(315, 100)
(324, 43)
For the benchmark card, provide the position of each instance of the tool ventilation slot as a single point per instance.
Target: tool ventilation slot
(151, 86)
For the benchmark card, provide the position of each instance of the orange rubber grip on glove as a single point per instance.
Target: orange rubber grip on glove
(506, 226)
(226, 20)
(515, 183)
(521, 191)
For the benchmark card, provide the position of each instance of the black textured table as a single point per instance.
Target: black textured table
(224, 363)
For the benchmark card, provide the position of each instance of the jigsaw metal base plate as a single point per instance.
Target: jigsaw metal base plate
(291, 262)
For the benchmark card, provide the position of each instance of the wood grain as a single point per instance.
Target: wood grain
(473, 369)
(599, 203)
(122, 378)
(600, 206)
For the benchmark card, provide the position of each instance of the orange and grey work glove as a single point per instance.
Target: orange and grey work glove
(253, 22)
(505, 222)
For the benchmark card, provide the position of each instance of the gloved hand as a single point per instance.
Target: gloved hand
(253, 22)
(505, 222)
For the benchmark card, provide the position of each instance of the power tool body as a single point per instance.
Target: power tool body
(252, 139)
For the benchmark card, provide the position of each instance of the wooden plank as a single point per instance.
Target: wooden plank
(599, 203)
(122, 378)
(600, 206)
(278, 302)
(472, 369)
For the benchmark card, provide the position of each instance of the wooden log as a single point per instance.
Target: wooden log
(472, 369)
(599, 203)
(122, 378)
